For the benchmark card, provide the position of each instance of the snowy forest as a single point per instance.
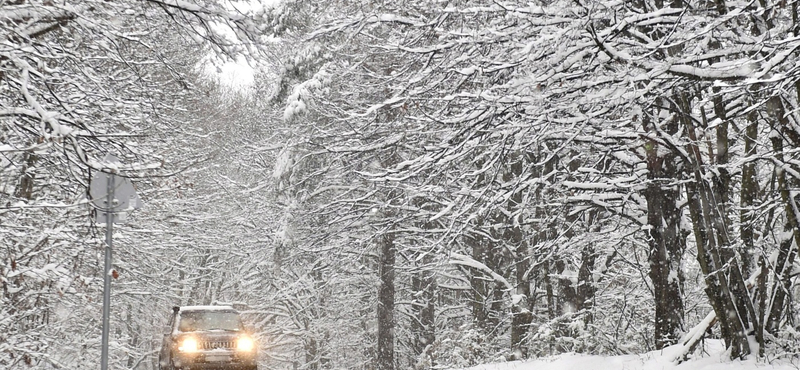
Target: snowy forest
(408, 184)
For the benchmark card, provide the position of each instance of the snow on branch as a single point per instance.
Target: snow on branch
(50, 119)
(35, 21)
(383, 144)
(665, 15)
(361, 23)
(296, 102)
(462, 260)
(228, 32)
(714, 73)
(198, 10)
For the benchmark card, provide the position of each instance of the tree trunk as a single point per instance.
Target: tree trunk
(666, 240)
(586, 288)
(312, 351)
(748, 195)
(739, 268)
(787, 252)
(521, 316)
(423, 285)
(710, 233)
(479, 286)
(386, 304)
(24, 189)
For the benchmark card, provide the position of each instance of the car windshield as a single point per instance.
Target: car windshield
(209, 320)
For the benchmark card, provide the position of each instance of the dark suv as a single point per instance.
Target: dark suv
(206, 338)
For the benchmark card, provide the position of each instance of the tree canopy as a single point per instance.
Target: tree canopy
(407, 184)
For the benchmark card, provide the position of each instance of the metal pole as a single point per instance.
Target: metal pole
(107, 271)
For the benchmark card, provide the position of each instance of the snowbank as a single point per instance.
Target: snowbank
(714, 359)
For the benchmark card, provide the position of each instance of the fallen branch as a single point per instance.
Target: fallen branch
(690, 341)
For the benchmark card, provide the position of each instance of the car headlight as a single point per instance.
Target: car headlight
(245, 344)
(188, 345)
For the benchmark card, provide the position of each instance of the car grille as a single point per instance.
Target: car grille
(206, 345)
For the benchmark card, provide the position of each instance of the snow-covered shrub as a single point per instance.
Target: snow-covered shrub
(467, 347)
(784, 344)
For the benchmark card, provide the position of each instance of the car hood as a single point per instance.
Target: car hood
(213, 334)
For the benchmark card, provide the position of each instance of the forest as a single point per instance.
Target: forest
(408, 184)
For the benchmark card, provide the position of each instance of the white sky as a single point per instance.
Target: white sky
(233, 74)
(239, 73)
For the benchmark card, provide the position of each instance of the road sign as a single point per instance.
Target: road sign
(122, 194)
(112, 195)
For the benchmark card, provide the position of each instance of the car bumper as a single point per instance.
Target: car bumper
(214, 360)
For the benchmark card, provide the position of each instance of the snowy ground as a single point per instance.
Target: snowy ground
(716, 359)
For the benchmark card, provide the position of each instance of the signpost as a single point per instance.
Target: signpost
(112, 196)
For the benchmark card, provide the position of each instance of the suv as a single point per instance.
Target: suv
(205, 338)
